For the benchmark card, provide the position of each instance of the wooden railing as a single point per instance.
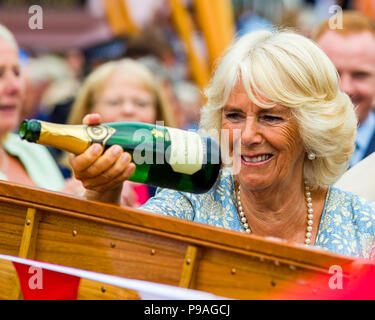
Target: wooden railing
(52, 227)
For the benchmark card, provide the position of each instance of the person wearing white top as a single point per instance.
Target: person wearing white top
(360, 179)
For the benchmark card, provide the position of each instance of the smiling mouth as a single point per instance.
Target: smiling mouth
(7, 108)
(257, 159)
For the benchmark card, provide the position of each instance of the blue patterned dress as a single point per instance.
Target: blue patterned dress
(347, 224)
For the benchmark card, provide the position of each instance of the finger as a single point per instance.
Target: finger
(118, 180)
(111, 178)
(114, 172)
(81, 162)
(106, 162)
(92, 119)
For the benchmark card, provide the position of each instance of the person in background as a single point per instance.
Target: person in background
(352, 51)
(151, 49)
(20, 162)
(276, 95)
(166, 80)
(360, 179)
(50, 87)
(50, 80)
(190, 101)
(248, 19)
(123, 90)
(75, 61)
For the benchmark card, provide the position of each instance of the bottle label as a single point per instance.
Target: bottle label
(100, 134)
(186, 151)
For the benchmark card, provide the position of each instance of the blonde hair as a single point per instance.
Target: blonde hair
(290, 70)
(8, 36)
(130, 68)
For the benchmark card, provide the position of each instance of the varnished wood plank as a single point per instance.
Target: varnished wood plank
(109, 249)
(9, 283)
(12, 219)
(87, 290)
(198, 234)
(93, 290)
(190, 266)
(27, 245)
(29, 236)
(240, 277)
(141, 245)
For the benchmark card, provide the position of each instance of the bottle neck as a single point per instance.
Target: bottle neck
(71, 138)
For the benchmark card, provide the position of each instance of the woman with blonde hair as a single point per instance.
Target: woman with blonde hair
(120, 91)
(102, 82)
(275, 97)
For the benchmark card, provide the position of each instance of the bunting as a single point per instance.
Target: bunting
(46, 281)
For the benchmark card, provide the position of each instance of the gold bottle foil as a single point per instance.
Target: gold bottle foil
(73, 139)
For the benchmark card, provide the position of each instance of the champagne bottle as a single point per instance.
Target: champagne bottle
(164, 157)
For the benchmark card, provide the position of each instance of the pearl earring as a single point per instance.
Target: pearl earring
(311, 156)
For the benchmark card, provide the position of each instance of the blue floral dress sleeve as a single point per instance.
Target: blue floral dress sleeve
(170, 203)
(215, 207)
(347, 225)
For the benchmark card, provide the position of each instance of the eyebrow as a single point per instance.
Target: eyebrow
(278, 109)
(231, 108)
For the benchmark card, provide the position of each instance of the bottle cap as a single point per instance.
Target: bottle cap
(30, 130)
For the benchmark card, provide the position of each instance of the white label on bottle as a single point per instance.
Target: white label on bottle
(186, 151)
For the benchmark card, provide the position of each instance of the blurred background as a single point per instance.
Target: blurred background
(61, 41)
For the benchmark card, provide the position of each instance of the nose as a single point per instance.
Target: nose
(251, 132)
(127, 107)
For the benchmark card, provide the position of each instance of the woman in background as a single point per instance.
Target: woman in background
(20, 162)
(120, 91)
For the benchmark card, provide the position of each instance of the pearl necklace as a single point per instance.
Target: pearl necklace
(310, 214)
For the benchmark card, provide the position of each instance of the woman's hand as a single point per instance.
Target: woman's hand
(102, 174)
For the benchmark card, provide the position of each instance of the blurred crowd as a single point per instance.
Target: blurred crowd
(53, 79)
(56, 84)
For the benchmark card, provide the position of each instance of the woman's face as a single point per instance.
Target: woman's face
(123, 100)
(10, 87)
(270, 148)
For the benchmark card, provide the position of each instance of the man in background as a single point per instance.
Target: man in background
(352, 51)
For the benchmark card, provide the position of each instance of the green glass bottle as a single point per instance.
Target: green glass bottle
(164, 157)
